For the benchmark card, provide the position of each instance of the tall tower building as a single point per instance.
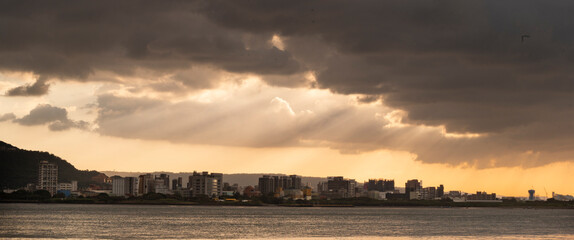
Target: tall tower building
(531, 195)
(48, 177)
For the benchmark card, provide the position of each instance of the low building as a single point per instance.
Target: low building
(307, 191)
(481, 196)
(227, 193)
(294, 194)
(561, 197)
(373, 194)
(249, 192)
(182, 192)
(397, 196)
(30, 187)
(478, 197)
(65, 187)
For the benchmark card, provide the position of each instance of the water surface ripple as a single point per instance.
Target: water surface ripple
(214, 222)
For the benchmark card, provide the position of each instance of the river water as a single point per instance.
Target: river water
(81, 221)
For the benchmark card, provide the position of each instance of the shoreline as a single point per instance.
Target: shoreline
(404, 204)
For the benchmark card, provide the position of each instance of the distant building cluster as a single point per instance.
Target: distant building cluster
(211, 185)
(199, 184)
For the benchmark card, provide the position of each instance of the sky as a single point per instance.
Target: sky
(475, 95)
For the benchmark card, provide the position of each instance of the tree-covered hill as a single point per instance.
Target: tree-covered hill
(19, 167)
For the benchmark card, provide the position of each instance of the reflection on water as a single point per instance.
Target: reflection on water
(204, 222)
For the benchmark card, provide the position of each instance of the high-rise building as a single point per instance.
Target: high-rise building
(177, 184)
(48, 177)
(174, 184)
(274, 184)
(118, 186)
(440, 191)
(206, 184)
(413, 189)
(341, 187)
(266, 184)
(161, 184)
(428, 193)
(131, 185)
(295, 182)
(124, 187)
(146, 184)
(381, 185)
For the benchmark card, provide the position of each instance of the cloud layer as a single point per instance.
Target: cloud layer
(254, 115)
(443, 67)
(56, 118)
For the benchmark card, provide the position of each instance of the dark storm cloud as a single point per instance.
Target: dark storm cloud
(56, 117)
(425, 56)
(459, 64)
(73, 40)
(38, 88)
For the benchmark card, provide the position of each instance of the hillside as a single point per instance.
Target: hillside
(19, 167)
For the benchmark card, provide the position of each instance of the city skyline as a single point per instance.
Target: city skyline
(382, 184)
(472, 95)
